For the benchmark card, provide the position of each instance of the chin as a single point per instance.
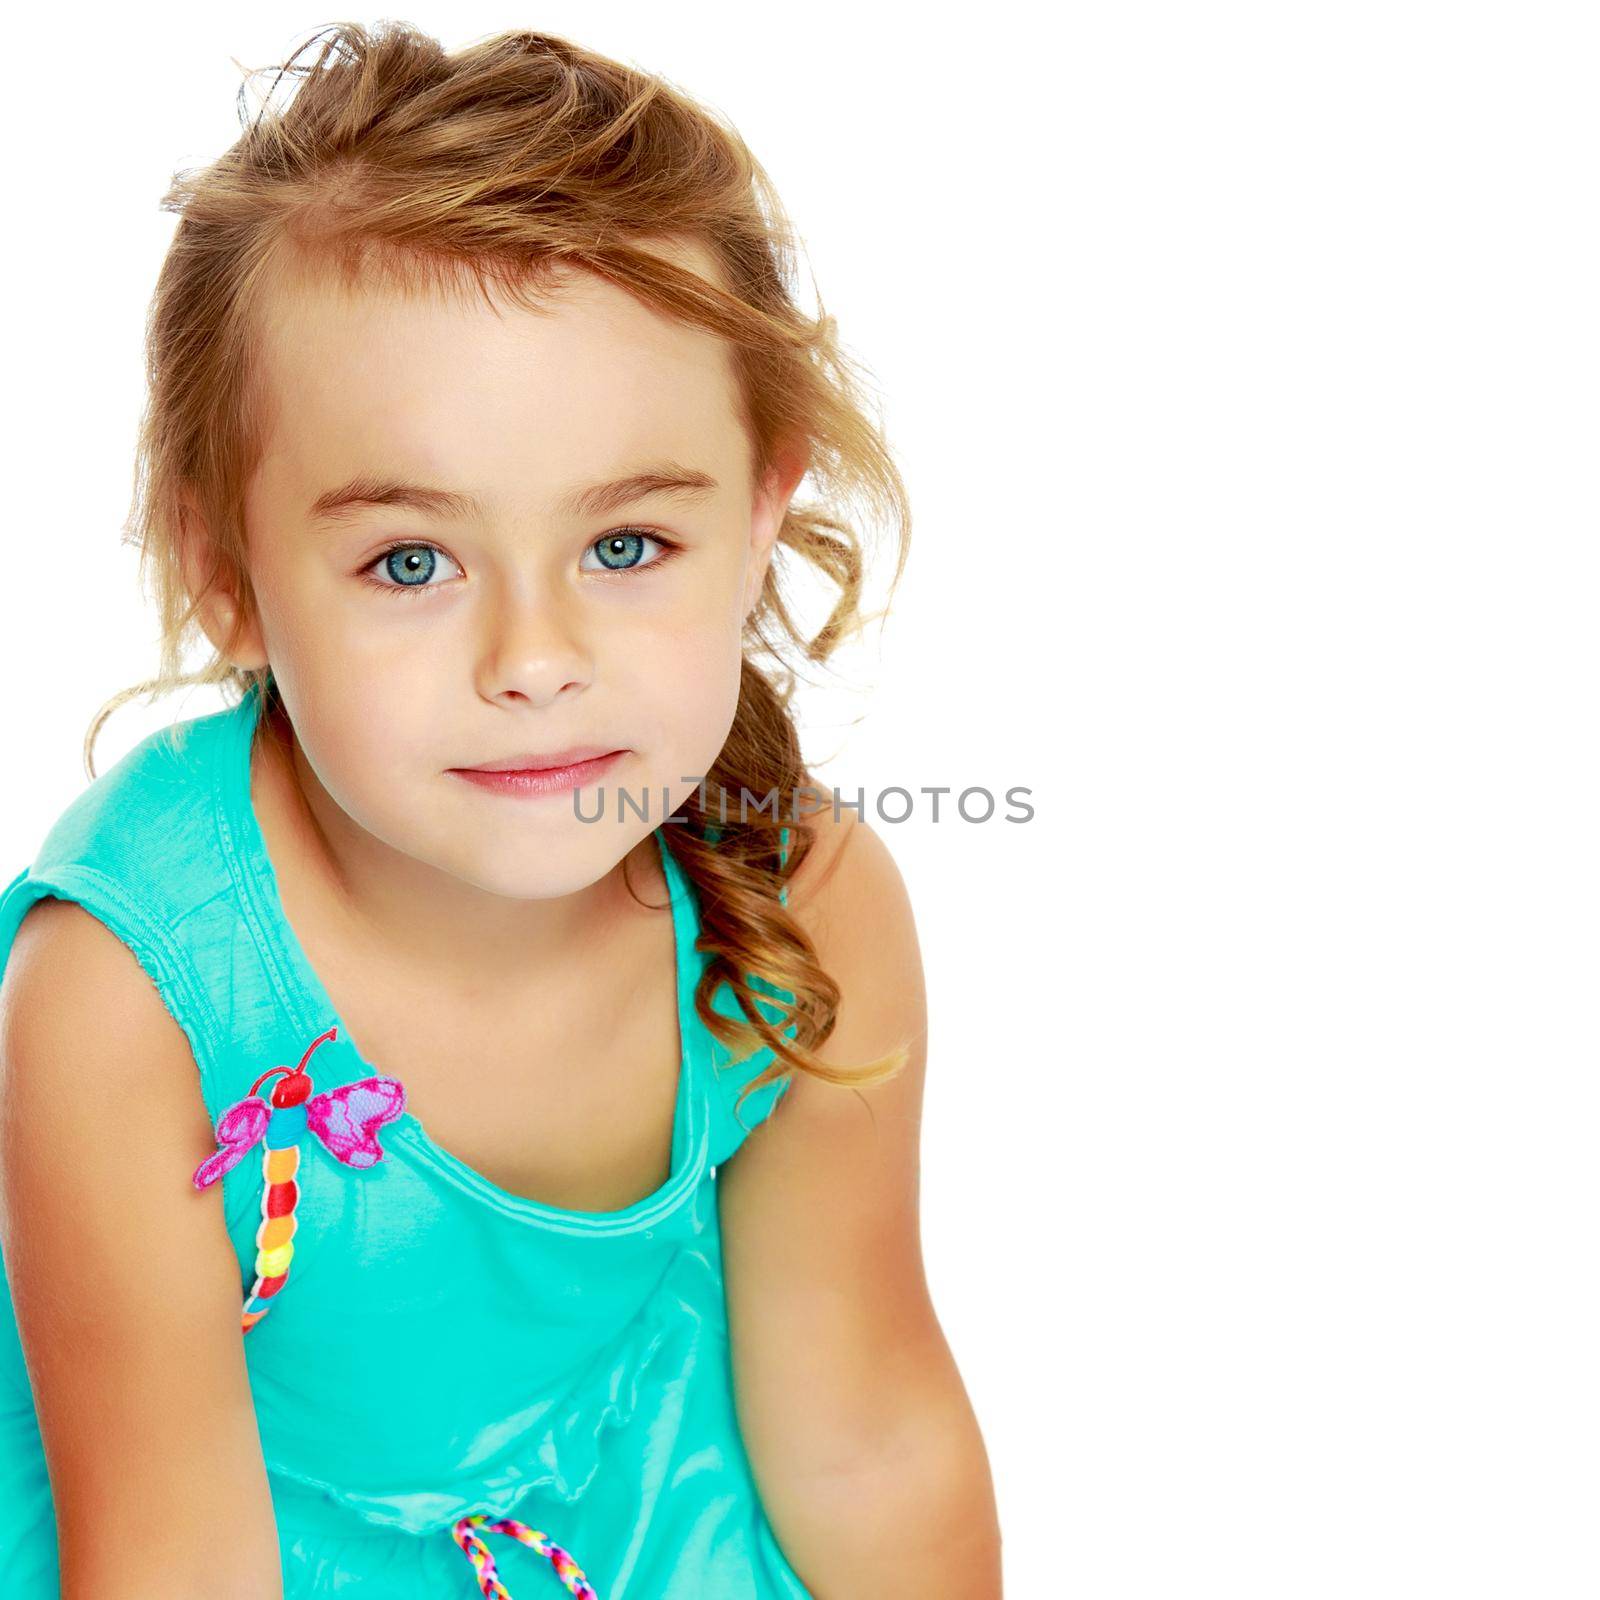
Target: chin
(560, 862)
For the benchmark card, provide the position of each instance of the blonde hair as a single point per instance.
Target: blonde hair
(496, 166)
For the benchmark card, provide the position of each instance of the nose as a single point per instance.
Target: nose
(533, 647)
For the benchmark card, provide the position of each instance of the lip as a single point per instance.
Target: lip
(516, 779)
(549, 762)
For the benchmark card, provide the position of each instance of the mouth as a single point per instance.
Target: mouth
(551, 761)
(542, 774)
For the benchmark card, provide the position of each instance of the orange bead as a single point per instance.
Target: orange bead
(281, 1165)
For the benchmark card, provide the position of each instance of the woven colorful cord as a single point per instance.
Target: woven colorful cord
(477, 1552)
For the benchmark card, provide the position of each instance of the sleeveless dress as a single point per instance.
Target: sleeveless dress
(442, 1348)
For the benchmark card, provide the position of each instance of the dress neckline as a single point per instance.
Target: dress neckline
(309, 1011)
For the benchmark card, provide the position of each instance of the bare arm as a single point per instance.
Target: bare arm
(860, 1432)
(127, 1290)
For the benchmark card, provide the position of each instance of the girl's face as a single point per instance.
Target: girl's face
(444, 578)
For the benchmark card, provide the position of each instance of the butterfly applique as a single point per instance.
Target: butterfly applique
(346, 1121)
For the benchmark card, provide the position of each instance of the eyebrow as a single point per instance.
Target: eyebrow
(367, 489)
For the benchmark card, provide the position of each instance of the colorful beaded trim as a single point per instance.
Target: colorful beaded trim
(346, 1120)
(477, 1552)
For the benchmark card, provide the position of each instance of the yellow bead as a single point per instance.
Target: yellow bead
(275, 1262)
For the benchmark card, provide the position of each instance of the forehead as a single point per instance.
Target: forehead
(478, 389)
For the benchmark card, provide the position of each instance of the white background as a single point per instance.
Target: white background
(1242, 364)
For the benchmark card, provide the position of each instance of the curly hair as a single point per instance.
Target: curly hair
(388, 160)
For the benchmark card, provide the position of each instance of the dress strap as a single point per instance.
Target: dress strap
(733, 1119)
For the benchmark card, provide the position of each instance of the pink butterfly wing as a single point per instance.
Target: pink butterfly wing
(346, 1119)
(238, 1128)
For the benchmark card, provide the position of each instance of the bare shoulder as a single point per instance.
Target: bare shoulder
(67, 970)
(851, 899)
(118, 1266)
(85, 1019)
(839, 1145)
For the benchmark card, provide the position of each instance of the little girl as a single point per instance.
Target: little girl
(460, 1104)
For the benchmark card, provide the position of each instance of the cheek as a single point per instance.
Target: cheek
(373, 671)
(377, 744)
(382, 760)
(686, 687)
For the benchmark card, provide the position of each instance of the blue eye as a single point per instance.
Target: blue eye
(409, 565)
(620, 551)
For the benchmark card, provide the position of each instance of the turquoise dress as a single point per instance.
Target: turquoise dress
(441, 1347)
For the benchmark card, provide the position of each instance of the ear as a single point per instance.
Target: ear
(219, 609)
(767, 514)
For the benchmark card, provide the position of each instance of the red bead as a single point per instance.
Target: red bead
(291, 1089)
(281, 1198)
(270, 1286)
